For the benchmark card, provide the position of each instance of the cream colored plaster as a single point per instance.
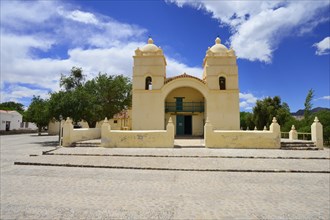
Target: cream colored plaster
(138, 139)
(293, 134)
(148, 110)
(240, 139)
(189, 94)
(53, 127)
(71, 135)
(198, 124)
(317, 133)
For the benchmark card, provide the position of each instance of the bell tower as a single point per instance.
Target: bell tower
(220, 72)
(220, 68)
(149, 70)
(149, 73)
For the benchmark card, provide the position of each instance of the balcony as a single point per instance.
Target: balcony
(184, 106)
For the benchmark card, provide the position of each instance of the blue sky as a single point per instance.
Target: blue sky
(282, 46)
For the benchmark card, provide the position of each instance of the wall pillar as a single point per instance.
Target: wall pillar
(67, 132)
(275, 128)
(208, 130)
(105, 129)
(170, 131)
(293, 135)
(170, 127)
(317, 133)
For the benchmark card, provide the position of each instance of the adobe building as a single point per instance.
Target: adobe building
(163, 108)
(188, 100)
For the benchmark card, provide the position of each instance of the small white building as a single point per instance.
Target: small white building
(10, 120)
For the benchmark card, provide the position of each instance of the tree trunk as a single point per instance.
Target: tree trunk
(91, 124)
(39, 130)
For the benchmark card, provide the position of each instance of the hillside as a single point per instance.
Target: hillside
(301, 111)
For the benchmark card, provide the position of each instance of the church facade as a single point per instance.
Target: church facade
(186, 99)
(184, 105)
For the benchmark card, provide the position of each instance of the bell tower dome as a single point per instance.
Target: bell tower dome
(149, 70)
(220, 68)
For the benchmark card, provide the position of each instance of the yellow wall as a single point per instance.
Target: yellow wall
(189, 94)
(242, 139)
(148, 110)
(71, 135)
(137, 139)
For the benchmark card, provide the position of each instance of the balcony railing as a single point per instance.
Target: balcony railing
(184, 107)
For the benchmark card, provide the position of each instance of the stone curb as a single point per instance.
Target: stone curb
(169, 169)
(178, 156)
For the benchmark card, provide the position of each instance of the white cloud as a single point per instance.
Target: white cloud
(247, 101)
(16, 93)
(84, 17)
(95, 42)
(259, 26)
(323, 98)
(322, 47)
(23, 14)
(175, 68)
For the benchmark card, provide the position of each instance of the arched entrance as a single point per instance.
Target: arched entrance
(186, 107)
(185, 101)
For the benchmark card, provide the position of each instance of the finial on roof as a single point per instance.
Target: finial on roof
(218, 40)
(150, 40)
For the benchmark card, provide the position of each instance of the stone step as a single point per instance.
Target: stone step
(88, 143)
(296, 145)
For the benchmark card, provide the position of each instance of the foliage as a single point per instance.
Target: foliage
(38, 112)
(12, 106)
(92, 100)
(74, 80)
(246, 119)
(266, 109)
(308, 104)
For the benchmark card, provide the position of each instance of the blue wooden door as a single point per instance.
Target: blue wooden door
(179, 125)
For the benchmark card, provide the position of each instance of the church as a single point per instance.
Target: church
(165, 108)
(186, 99)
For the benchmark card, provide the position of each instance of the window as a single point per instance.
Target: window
(179, 103)
(148, 83)
(222, 83)
(115, 121)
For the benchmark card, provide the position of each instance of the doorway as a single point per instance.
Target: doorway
(183, 125)
(7, 125)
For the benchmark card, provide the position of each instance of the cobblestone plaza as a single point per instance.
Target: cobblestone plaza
(261, 184)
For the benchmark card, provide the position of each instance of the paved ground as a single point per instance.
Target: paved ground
(47, 192)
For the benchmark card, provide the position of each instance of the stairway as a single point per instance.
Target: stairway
(88, 143)
(298, 145)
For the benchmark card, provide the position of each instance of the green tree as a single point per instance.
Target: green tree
(38, 112)
(266, 109)
(74, 80)
(308, 104)
(107, 95)
(12, 106)
(93, 100)
(246, 120)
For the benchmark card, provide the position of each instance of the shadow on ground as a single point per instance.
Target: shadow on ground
(47, 143)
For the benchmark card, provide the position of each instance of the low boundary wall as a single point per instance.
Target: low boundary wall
(243, 139)
(137, 139)
(71, 135)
